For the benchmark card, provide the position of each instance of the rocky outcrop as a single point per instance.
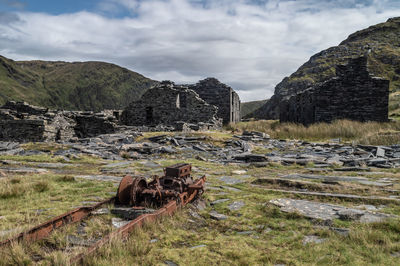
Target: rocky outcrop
(380, 43)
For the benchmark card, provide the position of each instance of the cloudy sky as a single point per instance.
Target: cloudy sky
(249, 44)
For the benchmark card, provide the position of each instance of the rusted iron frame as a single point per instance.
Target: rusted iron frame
(124, 232)
(43, 230)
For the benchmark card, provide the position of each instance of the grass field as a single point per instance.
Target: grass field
(257, 234)
(372, 133)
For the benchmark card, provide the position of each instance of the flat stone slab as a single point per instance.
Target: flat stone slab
(218, 201)
(118, 222)
(217, 216)
(55, 165)
(239, 172)
(77, 241)
(23, 170)
(101, 177)
(328, 212)
(230, 180)
(313, 239)
(119, 164)
(121, 171)
(326, 178)
(235, 206)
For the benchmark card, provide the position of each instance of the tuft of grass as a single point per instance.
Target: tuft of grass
(14, 255)
(66, 178)
(41, 186)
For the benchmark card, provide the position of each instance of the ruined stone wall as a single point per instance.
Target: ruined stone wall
(224, 97)
(353, 94)
(167, 104)
(22, 130)
(91, 125)
(24, 122)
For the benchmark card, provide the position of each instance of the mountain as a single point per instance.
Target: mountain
(381, 43)
(70, 86)
(249, 107)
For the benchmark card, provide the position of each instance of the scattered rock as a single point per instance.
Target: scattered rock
(118, 222)
(170, 263)
(230, 180)
(218, 201)
(198, 246)
(101, 211)
(235, 206)
(239, 172)
(130, 213)
(217, 216)
(77, 241)
(313, 239)
(246, 232)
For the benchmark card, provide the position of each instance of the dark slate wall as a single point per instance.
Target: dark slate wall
(353, 94)
(220, 95)
(167, 104)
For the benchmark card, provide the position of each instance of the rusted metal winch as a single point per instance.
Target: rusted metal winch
(176, 184)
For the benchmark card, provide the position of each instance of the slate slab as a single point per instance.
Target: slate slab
(230, 180)
(235, 206)
(217, 216)
(328, 212)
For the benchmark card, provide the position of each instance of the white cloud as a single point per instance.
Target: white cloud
(246, 45)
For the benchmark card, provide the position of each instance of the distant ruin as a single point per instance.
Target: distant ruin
(353, 94)
(167, 106)
(171, 104)
(224, 97)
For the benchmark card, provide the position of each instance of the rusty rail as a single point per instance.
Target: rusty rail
(44, 230)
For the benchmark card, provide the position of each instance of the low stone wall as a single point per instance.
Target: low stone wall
(22, 130)
(25, 123)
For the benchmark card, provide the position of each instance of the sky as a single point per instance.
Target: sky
(250, 45)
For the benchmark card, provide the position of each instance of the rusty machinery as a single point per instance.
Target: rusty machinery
(176, 184)
(176, 188)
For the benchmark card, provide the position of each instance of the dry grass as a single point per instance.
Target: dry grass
(366, 133)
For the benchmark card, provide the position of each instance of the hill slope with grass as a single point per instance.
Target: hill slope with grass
(249, 107)
(381, 43)
(71, 86)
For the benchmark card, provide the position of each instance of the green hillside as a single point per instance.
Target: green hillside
(72, 86)
(381, 43)
(249, 107)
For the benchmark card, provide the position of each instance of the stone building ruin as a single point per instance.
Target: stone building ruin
(224, 97)
(203, 106)
(353, 94)
(171, 104)
(22, 122)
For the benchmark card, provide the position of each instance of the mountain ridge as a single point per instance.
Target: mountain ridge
(91, 85)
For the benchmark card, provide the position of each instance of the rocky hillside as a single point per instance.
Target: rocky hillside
(380, 42)
(73, 86)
